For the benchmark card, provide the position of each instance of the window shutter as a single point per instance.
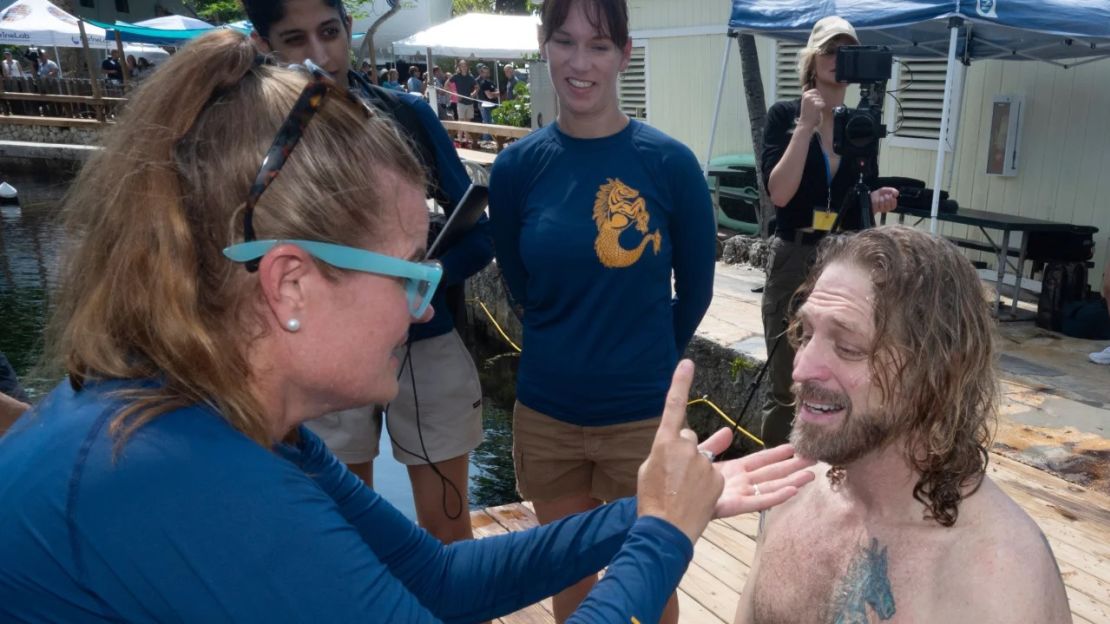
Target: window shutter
(922, 98)
(633, 85)
(786, 72)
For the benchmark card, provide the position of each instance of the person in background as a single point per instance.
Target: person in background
(414, 85)
(11, 68)
(809, 185)
(1103, 357)
(436, 419)
(508, 88)
(487, 93)
(391, 81)
(13, 400)
(442, 96)
(132, 66)
(202, 319)
(47, 67)
(465, 87)
(593, 216)
(897, 395)
(112, 68)
(145, 67)
(453, 105)
(367, 72)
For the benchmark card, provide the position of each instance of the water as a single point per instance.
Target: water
(30, 243)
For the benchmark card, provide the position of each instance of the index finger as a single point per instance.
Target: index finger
(674, 411)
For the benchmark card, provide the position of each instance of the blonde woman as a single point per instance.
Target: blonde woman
(808, 183)
(236, 271)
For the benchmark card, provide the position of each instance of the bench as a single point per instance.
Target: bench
(501, 134)
(482, 158)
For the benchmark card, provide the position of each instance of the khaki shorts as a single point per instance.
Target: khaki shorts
(554, 459)
(450, 420)
(465, 112)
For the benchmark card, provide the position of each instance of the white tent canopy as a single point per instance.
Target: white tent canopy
(40, 23)
(478, 35)
(174, 22)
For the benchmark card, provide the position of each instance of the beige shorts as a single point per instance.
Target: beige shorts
(466, 112)
(554, 459)
(450, 419)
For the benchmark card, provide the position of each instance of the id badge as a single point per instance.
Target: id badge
(823, 220)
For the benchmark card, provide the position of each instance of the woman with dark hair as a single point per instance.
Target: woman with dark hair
(808, 183)
(592, 216)
(237, 270)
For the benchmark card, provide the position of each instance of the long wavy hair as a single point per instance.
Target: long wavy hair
(932, 356)
(145, 291)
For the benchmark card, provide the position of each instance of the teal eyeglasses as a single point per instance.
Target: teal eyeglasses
(421, 278)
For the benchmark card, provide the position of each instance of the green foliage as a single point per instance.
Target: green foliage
(741, 365)
(510, 7)
(224, 11)
(517, 111)
(217, 11)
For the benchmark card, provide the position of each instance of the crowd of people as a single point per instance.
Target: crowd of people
(232, 352)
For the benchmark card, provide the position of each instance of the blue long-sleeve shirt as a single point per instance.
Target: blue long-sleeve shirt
(191, 521)
(587, 233)
(474, 250)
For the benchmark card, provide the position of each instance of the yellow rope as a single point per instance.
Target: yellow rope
(496, 325)
(693, 402)
(727, 419)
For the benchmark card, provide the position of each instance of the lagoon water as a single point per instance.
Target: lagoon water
(30, 244)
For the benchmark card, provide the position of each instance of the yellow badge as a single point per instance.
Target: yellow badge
(823, 220)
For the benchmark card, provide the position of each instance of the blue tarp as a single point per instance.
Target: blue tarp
(1000, 29)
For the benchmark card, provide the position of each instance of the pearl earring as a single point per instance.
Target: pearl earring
(292, 325)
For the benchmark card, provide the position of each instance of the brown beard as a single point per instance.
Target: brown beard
(858, 434)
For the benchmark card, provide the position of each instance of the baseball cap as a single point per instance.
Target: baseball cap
(828, 27)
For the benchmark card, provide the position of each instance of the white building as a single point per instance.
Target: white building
(1065, 136)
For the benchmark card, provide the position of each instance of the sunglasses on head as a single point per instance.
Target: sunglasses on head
(421, 278)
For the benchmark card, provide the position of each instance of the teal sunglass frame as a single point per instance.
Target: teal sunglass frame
(421, 278)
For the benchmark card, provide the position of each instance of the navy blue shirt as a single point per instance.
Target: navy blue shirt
(588, 233)
(472, 252)
(191, 521)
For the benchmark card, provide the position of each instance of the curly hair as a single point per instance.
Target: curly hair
(933, 354)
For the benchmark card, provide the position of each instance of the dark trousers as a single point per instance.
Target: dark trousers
(789, 264)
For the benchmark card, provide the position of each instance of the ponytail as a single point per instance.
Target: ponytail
(146, 292)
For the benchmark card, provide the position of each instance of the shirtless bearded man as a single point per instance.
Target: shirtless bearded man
(896, 394)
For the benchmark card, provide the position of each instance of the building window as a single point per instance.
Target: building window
(122, 6)
(633, 85)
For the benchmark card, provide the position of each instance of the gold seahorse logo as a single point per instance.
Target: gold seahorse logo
(617, 208)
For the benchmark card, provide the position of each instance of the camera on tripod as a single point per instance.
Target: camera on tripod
(856, 131)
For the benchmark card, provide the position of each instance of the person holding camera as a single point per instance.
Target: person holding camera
(808, 183)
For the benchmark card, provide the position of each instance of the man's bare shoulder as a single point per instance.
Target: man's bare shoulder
(1004, 569)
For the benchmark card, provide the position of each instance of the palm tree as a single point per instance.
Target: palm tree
(757, 113)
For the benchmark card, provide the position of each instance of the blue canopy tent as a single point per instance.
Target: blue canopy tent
(1065, 33)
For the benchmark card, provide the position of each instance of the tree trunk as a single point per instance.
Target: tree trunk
(367, 47)
(757, 113)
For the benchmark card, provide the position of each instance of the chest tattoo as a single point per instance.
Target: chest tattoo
(866, 584)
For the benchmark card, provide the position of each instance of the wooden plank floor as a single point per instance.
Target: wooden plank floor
(1076, 521)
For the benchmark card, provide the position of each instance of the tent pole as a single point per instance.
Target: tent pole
(717, 108)
(430, 83)
(946, 110)
(122, 60)
(98, 100)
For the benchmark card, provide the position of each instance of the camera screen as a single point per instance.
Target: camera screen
(863, 64)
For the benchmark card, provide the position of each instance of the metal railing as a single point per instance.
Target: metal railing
(54, 101)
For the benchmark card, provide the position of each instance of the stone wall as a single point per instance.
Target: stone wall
(50, 134)
(724, 375)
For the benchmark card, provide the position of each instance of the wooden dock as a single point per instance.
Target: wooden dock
(1076, 521)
